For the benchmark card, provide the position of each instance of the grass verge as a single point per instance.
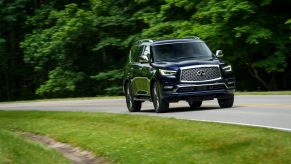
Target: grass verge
(144, 139)
(15, 149)
(264, 93)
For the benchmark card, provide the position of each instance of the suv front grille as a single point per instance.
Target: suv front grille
(200, 73)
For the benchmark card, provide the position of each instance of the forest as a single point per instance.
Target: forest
(78, 48)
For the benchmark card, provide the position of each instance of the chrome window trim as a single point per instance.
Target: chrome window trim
(177, 42)
(198, 85)
(199, 66)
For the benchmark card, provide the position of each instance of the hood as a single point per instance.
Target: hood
(178, 64)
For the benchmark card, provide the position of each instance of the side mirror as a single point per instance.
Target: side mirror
(219, 54)
(143, 59)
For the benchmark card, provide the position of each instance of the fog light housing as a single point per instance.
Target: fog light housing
(168, 87)
(230, 82)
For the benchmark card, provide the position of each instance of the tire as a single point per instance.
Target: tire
(132, 105)
(160, 105)
(195, 104)
(226, 103)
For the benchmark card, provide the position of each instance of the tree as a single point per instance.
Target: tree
(73, 48)
(16, 81)
(254, 39)
(82, 41)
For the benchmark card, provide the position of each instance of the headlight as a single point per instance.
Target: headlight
(227, 68)
(167, 72)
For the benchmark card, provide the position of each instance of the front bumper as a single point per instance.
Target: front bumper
(198, 92)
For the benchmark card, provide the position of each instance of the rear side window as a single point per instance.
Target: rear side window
(146, 50)
(140, 51)
(135, 52)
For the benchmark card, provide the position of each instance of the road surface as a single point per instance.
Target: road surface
(263, 111)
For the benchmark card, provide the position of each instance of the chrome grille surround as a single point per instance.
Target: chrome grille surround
(200, 73)
(201, 85)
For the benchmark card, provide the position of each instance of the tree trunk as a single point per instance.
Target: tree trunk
(254, 72)
(104, 56)
(273, 82)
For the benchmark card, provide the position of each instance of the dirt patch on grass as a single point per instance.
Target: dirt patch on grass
(75, 154)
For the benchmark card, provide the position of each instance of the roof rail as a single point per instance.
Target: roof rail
(145, 40)
(191, 37)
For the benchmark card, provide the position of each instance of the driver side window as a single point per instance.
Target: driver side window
(146, 51)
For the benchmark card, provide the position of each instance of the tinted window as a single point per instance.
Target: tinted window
(132, 52)
(146, 50)
(140, 50)
(181, 51)
(135, 53)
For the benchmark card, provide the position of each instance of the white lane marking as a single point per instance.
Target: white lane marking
(265, 105)
(242, 124)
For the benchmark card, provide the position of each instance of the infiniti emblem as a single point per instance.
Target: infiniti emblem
(201, 73)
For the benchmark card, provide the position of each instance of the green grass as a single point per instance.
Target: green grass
(143, 139)
(264, 93)
(15, 149)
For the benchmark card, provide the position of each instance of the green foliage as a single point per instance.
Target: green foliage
(66, 35)
(113, 79)
(60, 82)
(82, 39)
(43, 46)
(242, 28)
(273, 63)
(107, 42)
(110, 75)
(253, 33)
(16, 78)
(289, 23)
(115, 90)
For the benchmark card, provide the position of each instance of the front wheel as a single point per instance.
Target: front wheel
(226, 103)
(132, 105)
(159, 104)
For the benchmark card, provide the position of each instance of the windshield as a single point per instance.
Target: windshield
(181, 51)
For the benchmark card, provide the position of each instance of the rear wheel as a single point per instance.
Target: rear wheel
(226, 103)
(159, 104)
(132, 105)
(195, 104)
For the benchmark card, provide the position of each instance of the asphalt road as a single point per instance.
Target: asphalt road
(263, 111)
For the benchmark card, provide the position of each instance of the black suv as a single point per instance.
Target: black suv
(167, 71)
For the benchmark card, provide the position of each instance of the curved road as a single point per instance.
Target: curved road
(263, 111)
